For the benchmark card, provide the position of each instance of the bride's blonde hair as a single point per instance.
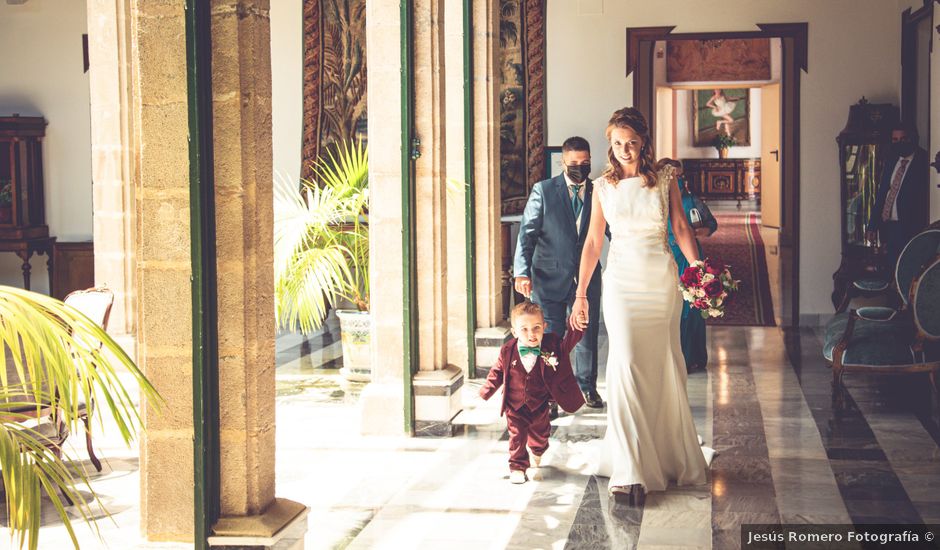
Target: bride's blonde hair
(630, 117)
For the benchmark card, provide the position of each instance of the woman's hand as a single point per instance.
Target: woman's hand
(579, 314)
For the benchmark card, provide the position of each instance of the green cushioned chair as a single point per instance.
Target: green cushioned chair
(922, 247)
(906, 342)
(920, 250)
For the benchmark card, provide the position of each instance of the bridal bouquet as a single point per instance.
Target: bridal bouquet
(707, 285)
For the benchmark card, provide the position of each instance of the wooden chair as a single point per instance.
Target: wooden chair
(898, 342)
(94, 303)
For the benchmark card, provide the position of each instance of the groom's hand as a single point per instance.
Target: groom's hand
(524, 286)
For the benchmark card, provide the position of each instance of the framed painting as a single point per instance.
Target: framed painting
(721, 110)
(553, 163)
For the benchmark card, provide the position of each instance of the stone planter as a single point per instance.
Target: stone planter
(357, 344)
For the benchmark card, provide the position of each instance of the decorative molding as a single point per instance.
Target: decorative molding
(798, 31)
(635, 35)
(311, 85)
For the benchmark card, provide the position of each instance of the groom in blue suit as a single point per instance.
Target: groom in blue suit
(548, 254)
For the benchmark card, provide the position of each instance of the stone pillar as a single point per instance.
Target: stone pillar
(455, 211)
(440, 268)
(112, 161)
(241, 107)
(382, 401)
(430, 182)
(491, 330)
(142, 142)
(164, 309)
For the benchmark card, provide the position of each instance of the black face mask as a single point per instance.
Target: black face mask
(903, 148)
(578, 172)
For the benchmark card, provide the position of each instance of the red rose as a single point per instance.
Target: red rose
(700, 303)
(713, 288)
(713, 268)
(691, 277)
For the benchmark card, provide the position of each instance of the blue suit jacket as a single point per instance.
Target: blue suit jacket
(549, 247)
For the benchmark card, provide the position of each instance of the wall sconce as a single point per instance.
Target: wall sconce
(936, 164)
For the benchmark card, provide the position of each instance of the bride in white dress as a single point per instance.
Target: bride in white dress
(651, 438)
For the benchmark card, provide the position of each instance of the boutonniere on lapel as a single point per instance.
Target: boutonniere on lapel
(550, 359)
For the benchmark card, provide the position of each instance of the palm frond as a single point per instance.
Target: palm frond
(61, 359)
(321, 246)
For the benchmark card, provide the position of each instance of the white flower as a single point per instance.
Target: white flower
(550, 360)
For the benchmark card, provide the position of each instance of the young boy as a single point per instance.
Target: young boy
(533, 367)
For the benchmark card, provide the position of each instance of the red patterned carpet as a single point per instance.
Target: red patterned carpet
(737, 243)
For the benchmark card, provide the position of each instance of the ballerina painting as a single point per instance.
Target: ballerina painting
(721, 111)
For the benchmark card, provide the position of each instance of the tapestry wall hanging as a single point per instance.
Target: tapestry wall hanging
(522, 100)
(334, 77)
(723, 110)
(725, 60)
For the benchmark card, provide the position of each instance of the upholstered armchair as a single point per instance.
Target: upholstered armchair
(884, 340)
(94, 303)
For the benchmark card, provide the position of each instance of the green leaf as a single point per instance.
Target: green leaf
(55, 356)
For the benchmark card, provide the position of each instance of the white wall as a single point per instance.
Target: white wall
(854, 50)
(41, 73)
(287, 86)
(683, 117)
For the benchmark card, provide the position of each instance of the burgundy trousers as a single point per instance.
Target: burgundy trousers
(527, 427)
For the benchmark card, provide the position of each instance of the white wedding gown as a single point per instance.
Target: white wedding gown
(651, 438)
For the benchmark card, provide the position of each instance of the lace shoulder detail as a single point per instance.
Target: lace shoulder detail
(664, 182)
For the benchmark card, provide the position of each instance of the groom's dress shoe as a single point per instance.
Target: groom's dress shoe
(593, 400)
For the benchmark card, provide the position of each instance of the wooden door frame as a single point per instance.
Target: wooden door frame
(909, 20)
(794, 42)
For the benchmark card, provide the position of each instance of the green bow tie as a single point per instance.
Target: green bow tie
(526, 350)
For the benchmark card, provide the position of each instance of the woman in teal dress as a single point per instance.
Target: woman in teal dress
(704, 224)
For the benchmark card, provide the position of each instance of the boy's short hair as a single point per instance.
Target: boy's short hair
(666, 161)
(575, 143)
(525, 308)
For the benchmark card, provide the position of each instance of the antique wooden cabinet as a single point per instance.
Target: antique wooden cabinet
(863, 145)
(736, 179)
(23, 228)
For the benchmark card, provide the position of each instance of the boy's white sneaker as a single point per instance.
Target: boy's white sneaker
(516, 477)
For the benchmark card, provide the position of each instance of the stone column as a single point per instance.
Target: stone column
(438, 381)
(158, 112)
(382, 400)
(430, 182)
(455, 211)
(491, 330)
(153, 122)
(113, 162)
(241, 109)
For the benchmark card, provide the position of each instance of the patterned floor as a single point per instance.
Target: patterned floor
(785, 456)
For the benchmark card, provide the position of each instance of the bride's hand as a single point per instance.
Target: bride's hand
(579, 314)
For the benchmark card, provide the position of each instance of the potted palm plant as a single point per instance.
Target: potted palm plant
(51, 359)
(321, 252)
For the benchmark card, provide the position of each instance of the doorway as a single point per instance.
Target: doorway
(783, 215)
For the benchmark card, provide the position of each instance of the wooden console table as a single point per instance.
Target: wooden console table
(737, 179)
(25, 248)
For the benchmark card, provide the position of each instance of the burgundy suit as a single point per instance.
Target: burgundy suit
(526, 395)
